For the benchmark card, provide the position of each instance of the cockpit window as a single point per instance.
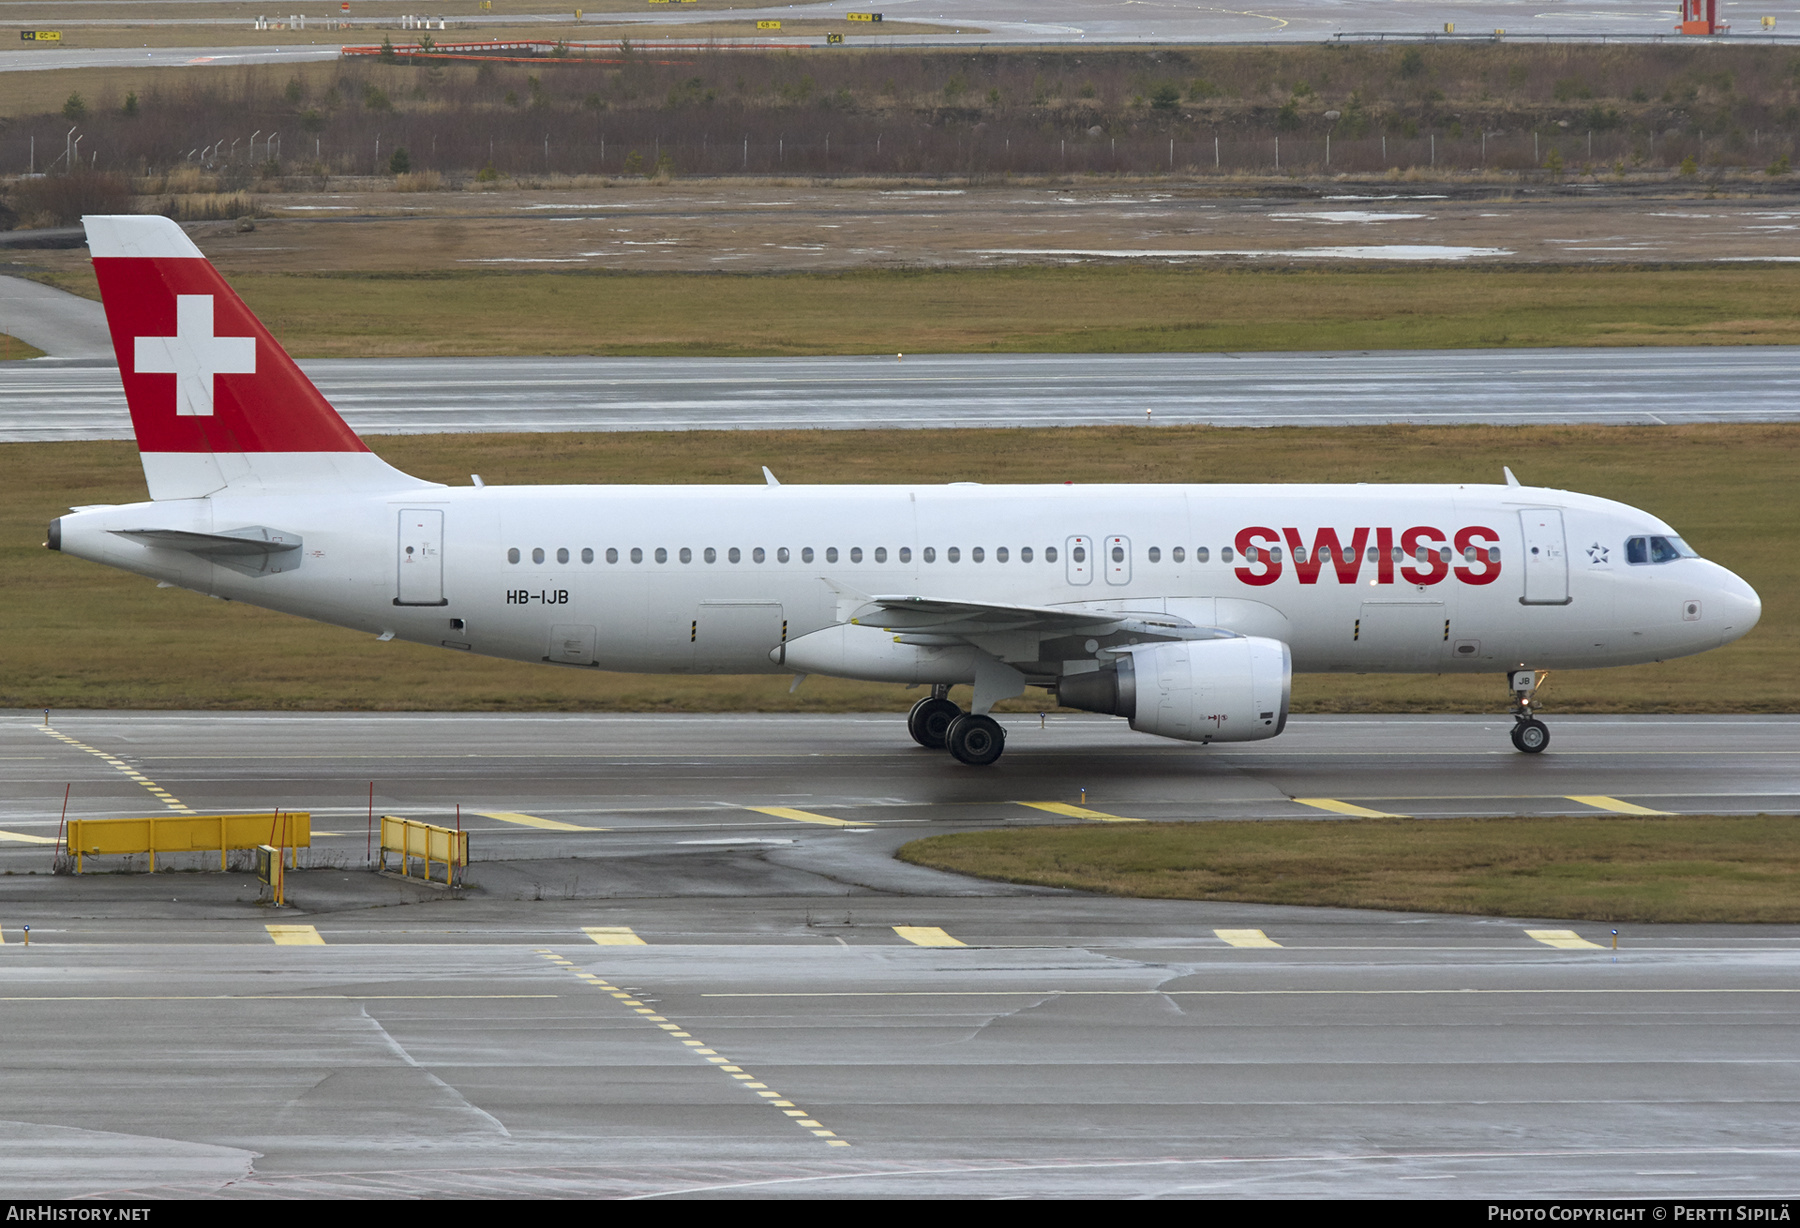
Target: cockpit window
(1657, 550)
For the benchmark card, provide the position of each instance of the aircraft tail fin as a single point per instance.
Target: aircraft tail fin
(216, 403)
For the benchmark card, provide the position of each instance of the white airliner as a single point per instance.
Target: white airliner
(1183, 608)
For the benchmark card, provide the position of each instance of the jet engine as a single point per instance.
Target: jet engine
(1233, 690)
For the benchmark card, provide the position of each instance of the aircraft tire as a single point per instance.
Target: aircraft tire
(1530, 736)
(975, 740)
(929, 720)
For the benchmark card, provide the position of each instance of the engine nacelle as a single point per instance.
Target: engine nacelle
(1232, 690)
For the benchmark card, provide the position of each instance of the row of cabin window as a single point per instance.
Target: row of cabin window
(978, 554)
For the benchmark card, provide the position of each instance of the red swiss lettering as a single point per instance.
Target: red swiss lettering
(1347, 562)
(1435, 568)
(1384, 550)
(1484, 569)
(1247, 541)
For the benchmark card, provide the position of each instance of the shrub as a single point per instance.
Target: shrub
(130, 109)
(400, 162)
(60, 200)
(1689, 166)
(74, 110)
(1167, 97)
(1412, 62)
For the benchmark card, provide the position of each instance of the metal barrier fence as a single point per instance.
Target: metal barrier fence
(186, 833)
(426, 841)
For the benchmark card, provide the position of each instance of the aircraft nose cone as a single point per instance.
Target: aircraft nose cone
(1736, 608)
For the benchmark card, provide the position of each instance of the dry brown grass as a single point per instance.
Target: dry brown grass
(1687, 869)
(81, 635)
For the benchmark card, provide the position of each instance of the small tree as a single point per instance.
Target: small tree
(1689, 166)
(400, 163)
(130, 109)
(75, 110)
(634, 163)
(1779, 166)
(1166, 97)
(387, 50)
(1554, 163)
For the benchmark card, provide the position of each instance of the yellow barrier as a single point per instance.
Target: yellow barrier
(183, 833)
(414, 839)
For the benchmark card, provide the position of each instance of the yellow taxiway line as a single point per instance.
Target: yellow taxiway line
(531, 820)
(1355, 812)
(295, 935)
(1079, 812)
(613, 936)
(927, 936)
(1613, 804)
(1245, 938)
(803, 816)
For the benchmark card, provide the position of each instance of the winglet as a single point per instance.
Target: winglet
(1510, 479)
(769, 477)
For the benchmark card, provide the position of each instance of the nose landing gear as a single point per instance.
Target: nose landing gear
(936, 723)
(1529, 734)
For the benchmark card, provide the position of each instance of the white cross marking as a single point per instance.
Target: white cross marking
(193, 355)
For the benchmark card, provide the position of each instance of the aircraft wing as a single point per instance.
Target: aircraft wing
(911, 615)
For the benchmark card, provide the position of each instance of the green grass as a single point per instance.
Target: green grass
(82, 635)
(1678, 869)
(1110, 309)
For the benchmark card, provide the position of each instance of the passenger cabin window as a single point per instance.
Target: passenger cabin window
(906, 554)
(757, 555)
(1050, 554)
(781, 554)
(734, 554)
(686, 555)
(1178, 554)
(537, 554)
(830, 555)
(1201, 554)
(1025, 555)
(512, 556)
(881, 554)
(612, 555)
(856, 554)
(562, 554)
(637, 554)
(1154, 554)
(999, 554)
(710, 555)
(1224, 554)
(587, 554)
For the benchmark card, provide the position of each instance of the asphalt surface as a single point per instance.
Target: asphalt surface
(162, 1042)
(48, 400)
(1019, 22)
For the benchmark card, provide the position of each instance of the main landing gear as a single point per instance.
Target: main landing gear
(938, 724)
(1528, 733)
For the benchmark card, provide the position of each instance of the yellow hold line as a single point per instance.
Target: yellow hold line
(531, 820)
(1079, 812)
(803, 816)
(927, 936)
(613, 936)
(1245, 938)
(1563, 940)
(1613, 804)
(295, 935)
(1354, 811)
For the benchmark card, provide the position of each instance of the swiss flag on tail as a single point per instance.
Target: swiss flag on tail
(214, 400)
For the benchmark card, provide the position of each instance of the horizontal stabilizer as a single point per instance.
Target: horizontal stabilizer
(255, 551)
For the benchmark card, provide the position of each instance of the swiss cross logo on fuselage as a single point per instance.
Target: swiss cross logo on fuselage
(194, 356)
(1423, 555)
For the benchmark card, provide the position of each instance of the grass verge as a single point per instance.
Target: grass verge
(1679, 869)
(82, 635)
(1090, 310)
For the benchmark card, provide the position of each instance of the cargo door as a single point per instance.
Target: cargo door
(421, 558)
(733, 637)
(1546, 557)
(1398, 637)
